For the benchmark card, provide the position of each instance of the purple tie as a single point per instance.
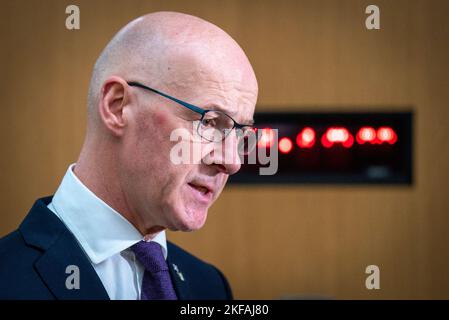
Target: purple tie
(156, 283)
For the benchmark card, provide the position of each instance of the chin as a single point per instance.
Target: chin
(190, 220)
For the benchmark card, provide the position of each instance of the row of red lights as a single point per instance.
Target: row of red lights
(333, 136)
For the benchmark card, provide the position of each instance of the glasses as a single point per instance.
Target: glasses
(215, 125)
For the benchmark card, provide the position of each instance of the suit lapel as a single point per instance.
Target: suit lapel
(180, 281)
(64, 261)
(44, 230)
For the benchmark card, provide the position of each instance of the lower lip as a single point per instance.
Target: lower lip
(200, 196)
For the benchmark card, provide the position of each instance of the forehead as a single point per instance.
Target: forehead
(224, 85)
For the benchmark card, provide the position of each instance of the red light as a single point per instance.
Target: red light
(337, 135)
(285, 145)
(266, 138)
(366, 134)
(386, 134)
(306, 138)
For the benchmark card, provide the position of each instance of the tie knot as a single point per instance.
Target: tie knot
(150, 256)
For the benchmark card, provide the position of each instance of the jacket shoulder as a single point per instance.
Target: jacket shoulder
(14, 251)
(18, 279)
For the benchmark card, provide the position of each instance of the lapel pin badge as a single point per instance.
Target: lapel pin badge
(180, 275)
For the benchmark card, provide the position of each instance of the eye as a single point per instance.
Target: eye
(209, 122)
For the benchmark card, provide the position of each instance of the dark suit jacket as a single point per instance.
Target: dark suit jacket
(34, 258)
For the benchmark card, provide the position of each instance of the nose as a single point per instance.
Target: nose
(224, 155)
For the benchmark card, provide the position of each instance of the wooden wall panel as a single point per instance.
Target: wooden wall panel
(271, 242)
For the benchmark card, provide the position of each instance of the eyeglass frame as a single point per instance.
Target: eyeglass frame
(193, 108)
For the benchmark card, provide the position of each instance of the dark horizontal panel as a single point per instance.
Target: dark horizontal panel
(342, 153)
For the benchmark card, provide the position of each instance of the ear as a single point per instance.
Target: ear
(113, 99)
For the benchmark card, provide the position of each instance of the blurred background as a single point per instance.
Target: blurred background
(271, 241)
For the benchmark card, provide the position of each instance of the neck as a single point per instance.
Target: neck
(97, 170)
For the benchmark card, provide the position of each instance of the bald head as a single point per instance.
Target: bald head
(125, 159)
(166, 49)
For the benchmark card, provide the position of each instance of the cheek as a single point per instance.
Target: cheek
(151, 148)
(152, 137)
(160, 120)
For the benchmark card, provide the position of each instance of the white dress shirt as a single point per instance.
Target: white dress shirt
(104, 235)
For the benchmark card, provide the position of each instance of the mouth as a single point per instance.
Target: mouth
(201, 188)
(203, 193)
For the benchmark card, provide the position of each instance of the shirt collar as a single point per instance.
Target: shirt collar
(100, 230)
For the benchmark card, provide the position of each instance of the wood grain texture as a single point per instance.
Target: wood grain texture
(271, 242)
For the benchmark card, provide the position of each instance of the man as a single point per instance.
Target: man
(102, 234)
